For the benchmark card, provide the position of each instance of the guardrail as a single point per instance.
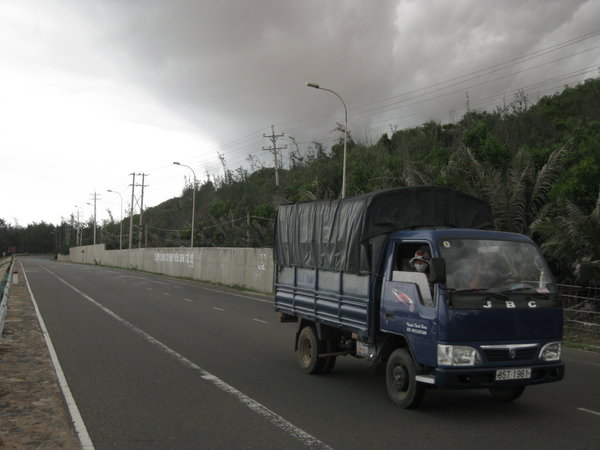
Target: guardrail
(6, 280)
(581, 308)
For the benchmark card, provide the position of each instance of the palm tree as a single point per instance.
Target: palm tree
(573, 240)
(517, 194)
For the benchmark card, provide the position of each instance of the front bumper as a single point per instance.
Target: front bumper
(484, 377)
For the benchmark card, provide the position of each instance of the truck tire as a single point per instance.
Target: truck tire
(402, 385)
(309, 347)
(506, 393)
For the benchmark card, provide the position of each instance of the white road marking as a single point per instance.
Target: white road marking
(589, 411)
(218, 309)
(167, 293)
(261, 321)
(146, 279)
(275, 419)
(188, 300)
(78, 423)
(238, 295)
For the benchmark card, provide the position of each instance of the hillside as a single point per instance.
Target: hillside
(420, 155)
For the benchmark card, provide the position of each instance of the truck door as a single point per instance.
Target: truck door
(408, 302)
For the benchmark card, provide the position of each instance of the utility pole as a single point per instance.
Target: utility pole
(141, 209)
(77, 230)
(273, 137)
(131, 210)
(95, 195)
(141, 203)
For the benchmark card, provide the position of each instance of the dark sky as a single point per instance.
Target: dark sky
(119, 86)
(234, 67)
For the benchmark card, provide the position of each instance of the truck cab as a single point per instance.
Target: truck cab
(485, 315)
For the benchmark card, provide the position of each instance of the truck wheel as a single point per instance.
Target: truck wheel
(506, 393)
(309, 348)
(402, 386)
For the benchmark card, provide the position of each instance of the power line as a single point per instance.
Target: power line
(490, 69)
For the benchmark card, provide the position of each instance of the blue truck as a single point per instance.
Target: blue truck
(485, 313)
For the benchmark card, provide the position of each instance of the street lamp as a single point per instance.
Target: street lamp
(316, 86)
(193, 200)
(121, 228)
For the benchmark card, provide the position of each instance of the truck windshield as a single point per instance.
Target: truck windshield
(501, 266)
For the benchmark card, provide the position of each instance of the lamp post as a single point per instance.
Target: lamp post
(316, 86)
(121, 227)
(193, 201)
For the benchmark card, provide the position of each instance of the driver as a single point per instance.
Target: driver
(420, 262)
(486, 272)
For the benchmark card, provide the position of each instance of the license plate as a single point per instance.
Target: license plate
(513, 374)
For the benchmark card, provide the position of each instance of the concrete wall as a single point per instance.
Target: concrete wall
(251, 268)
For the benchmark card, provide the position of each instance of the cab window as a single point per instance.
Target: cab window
(410, 265)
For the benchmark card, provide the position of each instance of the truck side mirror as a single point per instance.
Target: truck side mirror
(437, 270)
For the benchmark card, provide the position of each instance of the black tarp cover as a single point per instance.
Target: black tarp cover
(334, 234)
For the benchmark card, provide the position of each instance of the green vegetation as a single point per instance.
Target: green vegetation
(538, 166)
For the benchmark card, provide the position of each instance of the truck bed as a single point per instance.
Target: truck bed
(335, 298)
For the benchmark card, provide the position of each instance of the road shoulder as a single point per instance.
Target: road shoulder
(33, 411)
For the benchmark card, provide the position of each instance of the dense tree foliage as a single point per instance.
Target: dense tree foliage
(34, 238)
(571, 240)
(537, 165)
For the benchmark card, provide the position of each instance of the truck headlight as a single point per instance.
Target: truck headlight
(457, 355)
(551, 351)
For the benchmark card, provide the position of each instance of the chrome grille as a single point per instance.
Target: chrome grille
(507, 353)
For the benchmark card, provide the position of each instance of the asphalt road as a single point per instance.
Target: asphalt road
(156, 362)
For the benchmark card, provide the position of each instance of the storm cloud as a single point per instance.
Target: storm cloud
(236, 66)
(133, 84)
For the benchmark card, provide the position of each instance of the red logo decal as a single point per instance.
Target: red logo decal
(404, 299)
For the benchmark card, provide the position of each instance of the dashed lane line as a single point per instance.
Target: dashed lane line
(589, 411)
(238, 295)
